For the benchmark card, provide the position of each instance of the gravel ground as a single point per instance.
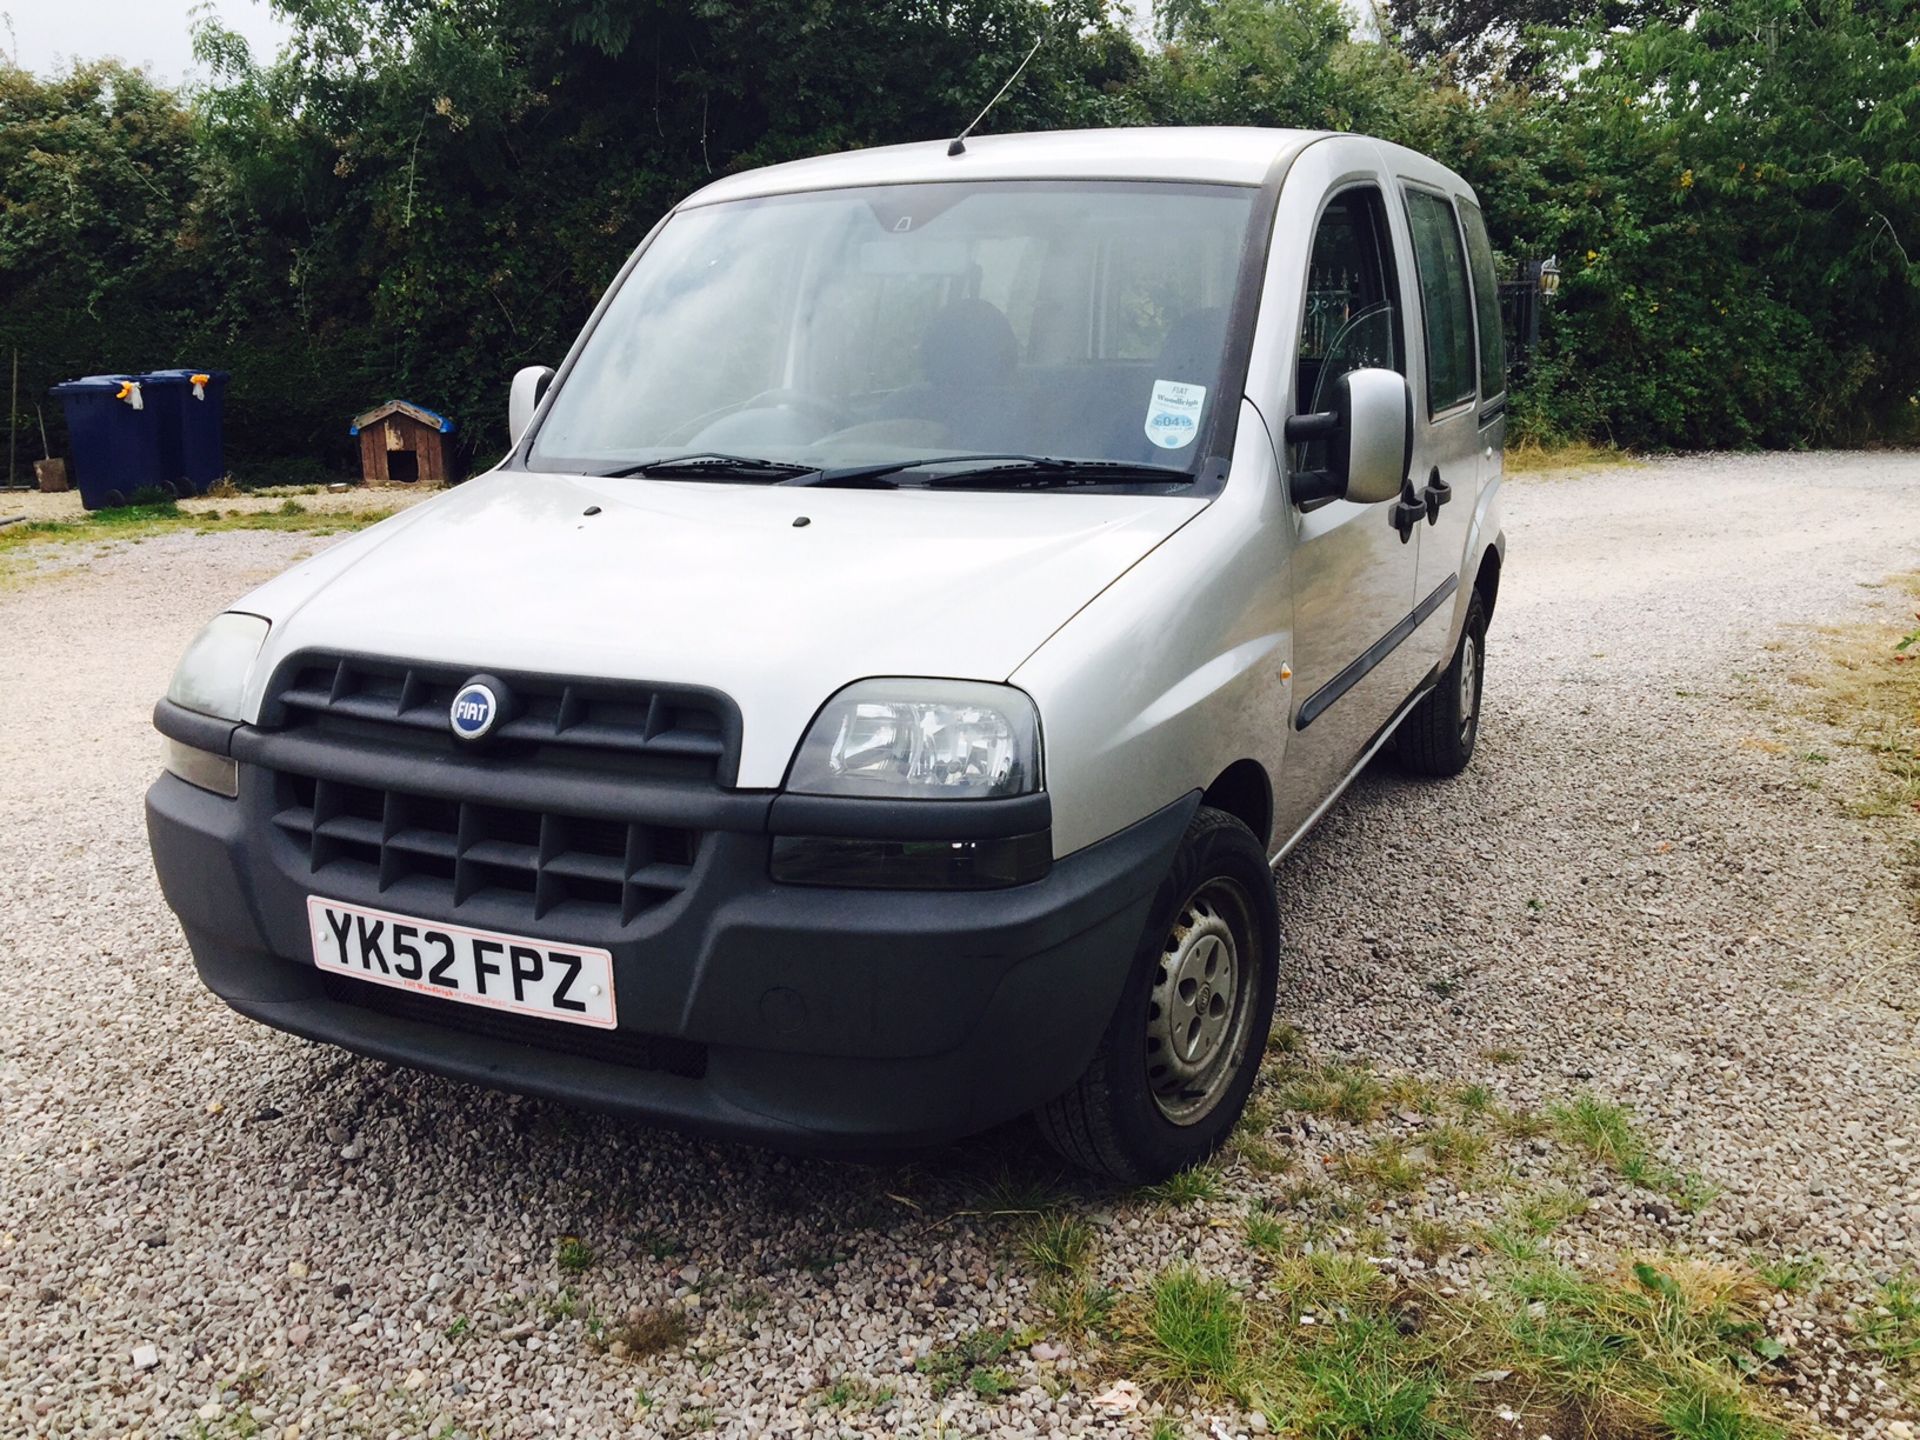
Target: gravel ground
(209, 1227)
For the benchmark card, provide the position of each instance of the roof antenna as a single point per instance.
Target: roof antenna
(959, 145)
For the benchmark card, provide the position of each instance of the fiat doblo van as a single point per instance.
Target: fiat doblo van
(866, 704)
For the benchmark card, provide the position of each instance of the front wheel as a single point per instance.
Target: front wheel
(1184, 1045)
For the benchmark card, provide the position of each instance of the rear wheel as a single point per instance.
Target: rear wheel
(1183, 1047)
(1437, 738)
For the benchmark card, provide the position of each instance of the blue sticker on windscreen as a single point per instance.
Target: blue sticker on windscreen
(1173, 414)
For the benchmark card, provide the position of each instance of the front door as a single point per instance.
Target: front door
(1354, 572)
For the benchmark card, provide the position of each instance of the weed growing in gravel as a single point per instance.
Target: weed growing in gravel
(574, 1256)
(1795, 1274)
(1077, 1305)
(1891, 1327)
(1545, 1211)
(852, 1392)
(648, 1331)
(1059, 1245)
(1384, 1167)
(1604, 1131)
(1190, 1334)
(1475, 1099)
(1186, 1187)
(1267, 1231)
(973, 1361)
(1344, 1092)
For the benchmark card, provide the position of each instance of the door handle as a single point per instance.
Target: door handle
(1437, 493)
(1408, 511)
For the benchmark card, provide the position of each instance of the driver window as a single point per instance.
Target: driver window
(1352, 320)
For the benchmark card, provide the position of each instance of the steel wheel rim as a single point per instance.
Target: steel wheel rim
(1199, 1010)
(1469, 684)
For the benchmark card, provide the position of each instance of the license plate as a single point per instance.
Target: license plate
(573, 983)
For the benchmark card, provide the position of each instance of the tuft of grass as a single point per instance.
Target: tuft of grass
(1795, 1275)
(1077, 1306)
(1267, 1231)
(1603, 1130)
(1190, 1333)
(1891, 1328)
(1456, 1150)
(1385, 1167)
(1164, 1428)
(1059, 1245)
(1545, 1211)
(1431, 1238)
(1186, 1187)
(1286, 1039)
(1345, 1092)
(573, 1255)
(649, 1331)
(1605, 1133)
(1475, 1099)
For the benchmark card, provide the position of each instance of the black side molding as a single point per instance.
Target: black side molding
(1318, 703)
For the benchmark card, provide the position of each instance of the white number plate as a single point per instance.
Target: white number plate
(476, 967)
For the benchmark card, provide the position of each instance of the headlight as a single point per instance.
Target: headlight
(212, 676)
(921, 739)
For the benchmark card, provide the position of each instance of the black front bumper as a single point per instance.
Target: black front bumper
(810, 1018)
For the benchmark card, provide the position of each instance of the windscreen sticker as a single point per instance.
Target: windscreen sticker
(1173, 414)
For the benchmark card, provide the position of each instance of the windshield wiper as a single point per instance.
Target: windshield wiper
(711, 462)
(987, 469)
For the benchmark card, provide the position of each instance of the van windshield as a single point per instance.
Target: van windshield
(904, 324)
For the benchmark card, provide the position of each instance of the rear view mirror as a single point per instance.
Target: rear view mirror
(1369, 436)
(524, 398)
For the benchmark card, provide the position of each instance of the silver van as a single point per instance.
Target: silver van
(866, 704)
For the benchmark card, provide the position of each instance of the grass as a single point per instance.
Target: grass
(1385, 1167)
(1868, 686)
(1791, 1274)
(1658, 1348)
(141, 522)
(648, 1331)
(1343, 1092)
(573, 1255)
(1891, 1326)
(1186, 1187)
(1059, 1245)
(1530, 457)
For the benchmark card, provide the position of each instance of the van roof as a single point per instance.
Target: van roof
(1218, 154)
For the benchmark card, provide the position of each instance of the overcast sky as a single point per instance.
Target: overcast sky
(47, 34)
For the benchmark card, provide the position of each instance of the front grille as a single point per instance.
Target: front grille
(668, 732)
(686, 1058)
(468, 850)
(377, 795)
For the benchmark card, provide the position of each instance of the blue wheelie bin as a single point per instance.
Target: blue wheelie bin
(189, 407)
(116, 448)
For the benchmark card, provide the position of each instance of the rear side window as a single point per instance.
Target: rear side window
(1486, 302)
(1445, 300)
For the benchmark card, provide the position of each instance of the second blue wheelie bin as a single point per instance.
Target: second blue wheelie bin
(188, 406)
(116, 447)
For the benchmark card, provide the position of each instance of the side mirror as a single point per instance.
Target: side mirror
(1369, 435)
(524, 398)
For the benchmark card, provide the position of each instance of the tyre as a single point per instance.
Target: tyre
(1437, 737)
(1184, 1045)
